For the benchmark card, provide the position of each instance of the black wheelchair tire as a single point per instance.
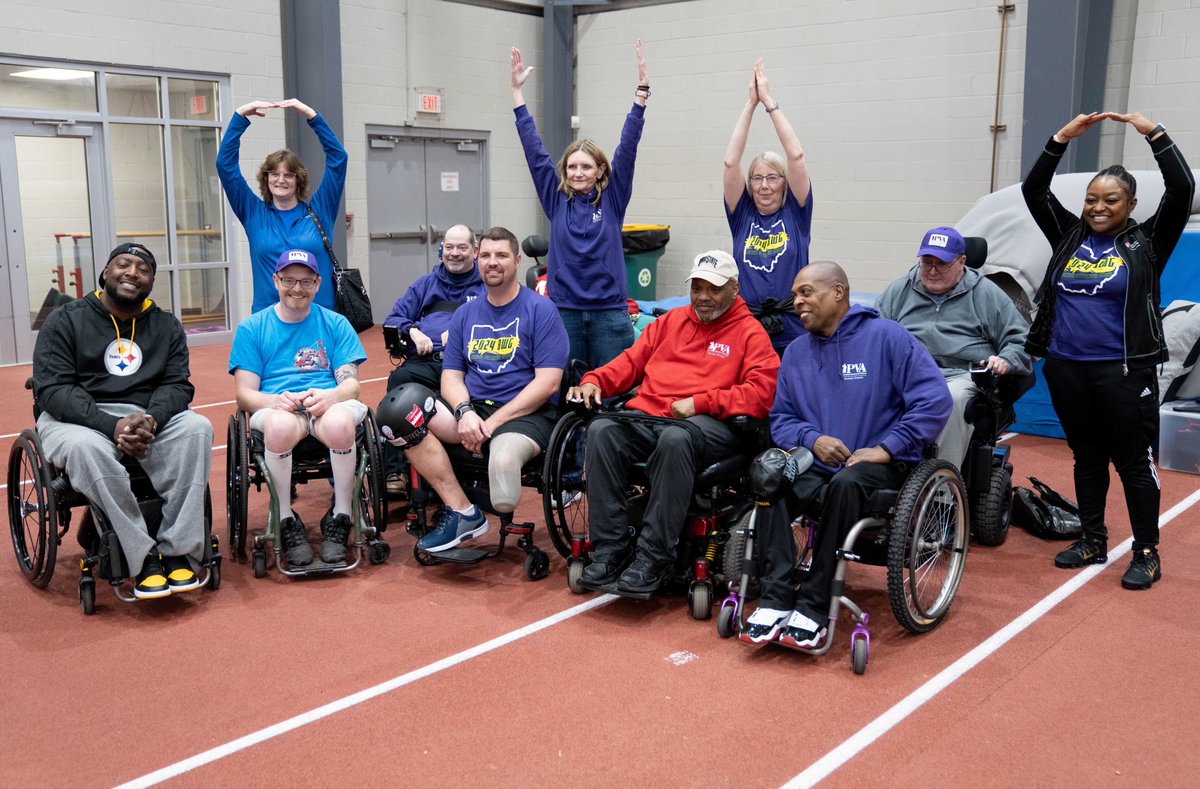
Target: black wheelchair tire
(565, 519)
(726, 622)
(991, 511)
(237, 485)
(32, 509)
(87, 595)
(374, 480)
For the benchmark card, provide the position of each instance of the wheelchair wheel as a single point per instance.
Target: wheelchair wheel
(700, 595)
(237, 484)
(990, 513)
(575, 575)
(858, 655)
(733, 560)
(537, 565)
(87, 595)
(727, 625)
(32, 509)
(927, 546)
(564, 493)
(374, 480)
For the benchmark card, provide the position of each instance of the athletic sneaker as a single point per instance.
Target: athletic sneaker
(335, 528)
(296, 549)
(605, 568)
(1144, 570)
(180, 575)
(453, 528)
(764, 625)
(397, 485)
(1085, 550)
(802, 631)
(152, 580)
(644, 575)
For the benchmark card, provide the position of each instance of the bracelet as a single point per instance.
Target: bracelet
(153, 425)
(1159, 129)
(772, 109)
(643, 92)
(463, 408)
(644, 87)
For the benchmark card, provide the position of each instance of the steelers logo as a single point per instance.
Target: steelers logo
(122, 358)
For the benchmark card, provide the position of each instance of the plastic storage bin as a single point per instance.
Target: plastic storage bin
(1179, 438)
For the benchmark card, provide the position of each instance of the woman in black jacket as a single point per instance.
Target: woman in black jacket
(1098, 326)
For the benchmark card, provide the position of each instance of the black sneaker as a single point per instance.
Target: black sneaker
(180, 575)
(1144, 570)
(1083, 551)
(295, 544)
(604, 569)
(335, 528)
(644, 575)
(152, 580)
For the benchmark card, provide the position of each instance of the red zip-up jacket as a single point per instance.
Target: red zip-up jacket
(728, 366)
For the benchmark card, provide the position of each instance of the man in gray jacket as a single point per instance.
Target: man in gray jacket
(963, 319)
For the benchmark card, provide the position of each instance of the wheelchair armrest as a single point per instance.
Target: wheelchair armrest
(398, 343)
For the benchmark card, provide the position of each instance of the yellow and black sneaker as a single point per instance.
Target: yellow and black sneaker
(180, 575)
(152, 580)
(1085, 550)
(1144, 570)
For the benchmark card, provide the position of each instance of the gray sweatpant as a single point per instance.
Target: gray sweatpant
(177, 464)
(956, 435)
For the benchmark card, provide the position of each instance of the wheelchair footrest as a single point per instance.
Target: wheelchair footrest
(317, 567)
(612, 589)
(461, 555)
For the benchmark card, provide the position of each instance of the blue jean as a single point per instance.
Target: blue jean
(597, 336)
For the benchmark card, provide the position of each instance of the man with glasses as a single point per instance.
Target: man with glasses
(423, 314)
(963, 319)
(295, 368)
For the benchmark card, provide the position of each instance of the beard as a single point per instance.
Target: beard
(114, 294)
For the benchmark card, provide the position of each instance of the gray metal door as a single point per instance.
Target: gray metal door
(48, 212)
(416, 189)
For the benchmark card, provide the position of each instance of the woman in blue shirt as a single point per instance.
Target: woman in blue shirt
(770, 215)
(585, 197)
(283, 218)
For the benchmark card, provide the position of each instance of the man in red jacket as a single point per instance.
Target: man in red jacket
(701, 364)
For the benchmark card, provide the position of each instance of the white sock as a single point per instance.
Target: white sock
(344, 463)
(279, 466)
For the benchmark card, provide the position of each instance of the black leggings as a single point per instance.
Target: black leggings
(1110, 416)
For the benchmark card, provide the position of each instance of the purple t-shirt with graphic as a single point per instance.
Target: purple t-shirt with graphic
(498, 348)
(1089, 312)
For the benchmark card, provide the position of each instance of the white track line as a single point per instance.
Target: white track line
(821, 769)
(305, 718)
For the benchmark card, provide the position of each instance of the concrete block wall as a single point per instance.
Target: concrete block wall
(892, 102)
(1164, 80)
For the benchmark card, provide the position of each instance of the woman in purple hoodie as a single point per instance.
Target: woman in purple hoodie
(585, 197)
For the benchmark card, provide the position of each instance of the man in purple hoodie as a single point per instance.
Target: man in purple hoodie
(865, 397)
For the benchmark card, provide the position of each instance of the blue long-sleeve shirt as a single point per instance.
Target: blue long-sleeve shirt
(426, 302)
(272, 232)
(869, 384)
(586, 269)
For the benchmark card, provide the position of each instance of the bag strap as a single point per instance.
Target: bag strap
(337, 267)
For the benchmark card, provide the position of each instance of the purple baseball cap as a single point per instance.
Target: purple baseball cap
(944, 243)
(299, 256)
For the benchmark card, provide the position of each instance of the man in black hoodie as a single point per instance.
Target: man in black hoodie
(110, 375)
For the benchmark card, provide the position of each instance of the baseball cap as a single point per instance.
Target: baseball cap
(714, 266)
(944, 243)
(294, 256)
(137, 250)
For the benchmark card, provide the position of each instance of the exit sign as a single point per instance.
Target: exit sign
(430, 102)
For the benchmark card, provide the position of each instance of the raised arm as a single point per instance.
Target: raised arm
(734, 183)
(520, 73)
(1051, 217)
(643, 87)
(793, 152)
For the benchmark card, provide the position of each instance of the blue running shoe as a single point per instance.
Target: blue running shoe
(453, 528)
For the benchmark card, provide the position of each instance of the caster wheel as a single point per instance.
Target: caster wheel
(378, 552)
(575, 575)
(537, 565)
(87, 596)
(858, 655)
(700, 600)
(424, 558)
(727, 626)
(214, 574)
(260, 564)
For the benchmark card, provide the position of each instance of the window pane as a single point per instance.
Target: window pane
(192, 99)
(198, 217)
(202, 304)
(139, 187)
(47, 88)
(132, 97)
(161, 294)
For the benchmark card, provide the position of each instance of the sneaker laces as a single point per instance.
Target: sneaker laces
(338, 528)
(293, 533)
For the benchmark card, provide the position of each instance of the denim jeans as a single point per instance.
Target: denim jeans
(597, 336)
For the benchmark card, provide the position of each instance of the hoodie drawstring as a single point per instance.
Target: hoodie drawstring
(132, 331)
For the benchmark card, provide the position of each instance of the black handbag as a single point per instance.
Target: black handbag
(1046, 513)
(350, 295)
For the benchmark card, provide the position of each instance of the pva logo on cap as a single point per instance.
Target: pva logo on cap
(298, 255)
(938, 240)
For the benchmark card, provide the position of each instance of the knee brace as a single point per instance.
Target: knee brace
(404, 414)
(775, 469)
(508, 453)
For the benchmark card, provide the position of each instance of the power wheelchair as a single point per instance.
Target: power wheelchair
(719, 499)
(40, 500)
(919, 533)
(244, 466)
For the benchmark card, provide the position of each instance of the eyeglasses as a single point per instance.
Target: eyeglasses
(769, 180)
(282, 176)
(308, 283)
(937, 264)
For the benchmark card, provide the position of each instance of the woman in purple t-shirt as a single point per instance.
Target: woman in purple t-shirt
(770, 215)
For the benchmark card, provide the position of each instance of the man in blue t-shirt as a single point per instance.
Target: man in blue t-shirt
(295, 367)
(502, 366)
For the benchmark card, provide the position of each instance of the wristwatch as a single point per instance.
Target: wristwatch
(1155, 132)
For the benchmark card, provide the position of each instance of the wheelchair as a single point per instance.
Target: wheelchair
(40, 500)
(919, 533)
(244, 466)
(719, 500)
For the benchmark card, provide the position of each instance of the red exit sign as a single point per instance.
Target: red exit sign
(431, 102)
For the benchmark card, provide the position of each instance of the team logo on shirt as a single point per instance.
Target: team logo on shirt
(765, 245)
(853, 371)
(597, 215)
(719, 349)
(122, 357)
(311, 359)
(1088, 277)
(491, 348)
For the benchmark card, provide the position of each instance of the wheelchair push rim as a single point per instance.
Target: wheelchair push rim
(32, 510)
(564, 494)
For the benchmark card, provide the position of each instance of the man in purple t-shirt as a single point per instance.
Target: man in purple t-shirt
(502, 366)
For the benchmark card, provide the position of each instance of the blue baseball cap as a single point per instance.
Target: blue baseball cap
(297, 257)
(944, 243)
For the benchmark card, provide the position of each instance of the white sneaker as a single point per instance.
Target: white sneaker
(764, 625)
(802, 632)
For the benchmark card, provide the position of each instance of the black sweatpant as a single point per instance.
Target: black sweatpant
(1110, 416)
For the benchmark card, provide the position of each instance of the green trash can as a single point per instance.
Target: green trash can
(643, 246)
